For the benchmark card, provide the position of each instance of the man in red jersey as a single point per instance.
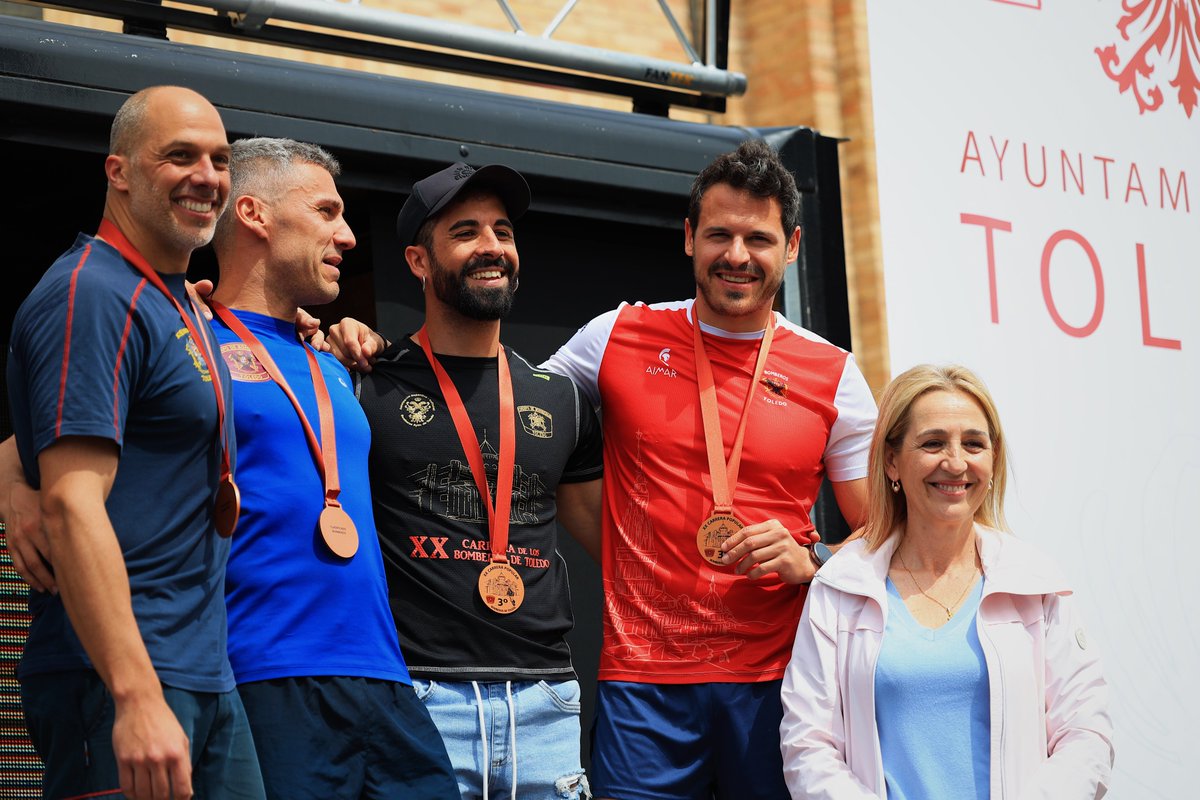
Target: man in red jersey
(716, 440)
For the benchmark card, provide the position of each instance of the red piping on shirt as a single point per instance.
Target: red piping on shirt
(62, 384)
(120, 354)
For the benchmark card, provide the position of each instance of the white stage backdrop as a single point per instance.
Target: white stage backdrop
(1039, 182)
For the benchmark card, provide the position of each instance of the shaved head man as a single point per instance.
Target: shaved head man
(120, 408)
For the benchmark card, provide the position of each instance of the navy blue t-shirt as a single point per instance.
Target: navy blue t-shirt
(295, 608)
(97, 351)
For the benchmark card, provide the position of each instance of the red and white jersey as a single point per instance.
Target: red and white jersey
(669, 616)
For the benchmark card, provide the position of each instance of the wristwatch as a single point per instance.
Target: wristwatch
(819, 552)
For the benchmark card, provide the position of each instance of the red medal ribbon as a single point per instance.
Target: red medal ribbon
(324, 453)
(724, 474)
(497, 512)
(111, 234)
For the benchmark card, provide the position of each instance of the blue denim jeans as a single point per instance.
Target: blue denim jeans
(477, 721)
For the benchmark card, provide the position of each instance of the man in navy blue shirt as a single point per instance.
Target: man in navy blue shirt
(119, 404)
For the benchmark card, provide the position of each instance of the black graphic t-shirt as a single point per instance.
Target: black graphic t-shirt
(433, 525)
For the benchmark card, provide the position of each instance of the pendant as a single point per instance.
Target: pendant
(227, 508)
(338, 531)
(712, 534)
(501, 587)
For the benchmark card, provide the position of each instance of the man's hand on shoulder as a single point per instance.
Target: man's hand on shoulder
(766, 547)
(309, 328)
(355, 344)
(199, 292)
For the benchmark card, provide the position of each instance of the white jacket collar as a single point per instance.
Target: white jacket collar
(1010, 566)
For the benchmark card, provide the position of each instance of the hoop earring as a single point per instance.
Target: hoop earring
(895, 487)
(516, 283)
(989, 484)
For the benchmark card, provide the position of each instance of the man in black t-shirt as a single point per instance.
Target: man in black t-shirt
(480, 595)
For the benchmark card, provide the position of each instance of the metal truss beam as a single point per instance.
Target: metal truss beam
(653, 84)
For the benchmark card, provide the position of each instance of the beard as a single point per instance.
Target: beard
(734, 300)
(485, 304)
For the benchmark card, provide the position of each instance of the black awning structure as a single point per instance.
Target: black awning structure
(610, 191)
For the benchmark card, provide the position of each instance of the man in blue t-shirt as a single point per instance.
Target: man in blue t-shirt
(311, 635)
(119, 405)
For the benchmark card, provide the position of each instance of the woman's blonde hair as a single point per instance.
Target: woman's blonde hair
(887, 510)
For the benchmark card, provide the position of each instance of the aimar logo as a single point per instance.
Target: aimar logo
(1158, 38)
(664, 356)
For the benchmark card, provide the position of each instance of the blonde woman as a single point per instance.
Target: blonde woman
(938, 657)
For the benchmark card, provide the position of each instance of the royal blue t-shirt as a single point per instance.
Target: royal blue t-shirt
(295, 608)
(97, 351)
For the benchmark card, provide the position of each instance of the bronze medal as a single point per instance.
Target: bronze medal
(227, 507)
(501, 587)
(713, 533)
(335, 525)
(721, 523)
(338, 531)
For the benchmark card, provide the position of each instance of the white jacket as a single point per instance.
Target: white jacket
(1051, 732)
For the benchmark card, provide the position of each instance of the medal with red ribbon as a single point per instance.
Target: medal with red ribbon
(228, 503)
(500, 585)
(722, 522)
(337, 529)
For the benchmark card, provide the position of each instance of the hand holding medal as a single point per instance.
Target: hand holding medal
(768, 547)
(722, 523)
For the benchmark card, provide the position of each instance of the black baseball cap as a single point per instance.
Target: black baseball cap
(430, 195)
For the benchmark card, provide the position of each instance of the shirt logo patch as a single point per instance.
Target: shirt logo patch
(243, 366)
(664, 365)
(536, 422)
(194, 352)
(416, 410)
(775, 387)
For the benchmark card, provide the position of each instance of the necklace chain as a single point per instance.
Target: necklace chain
(949, 609)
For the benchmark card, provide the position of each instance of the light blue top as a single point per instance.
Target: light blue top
(931, 705)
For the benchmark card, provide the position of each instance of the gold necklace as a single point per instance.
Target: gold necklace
(947, 608)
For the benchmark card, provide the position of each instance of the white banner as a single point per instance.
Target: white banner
(1039, 187)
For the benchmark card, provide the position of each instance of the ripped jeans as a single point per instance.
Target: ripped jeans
(526, 733)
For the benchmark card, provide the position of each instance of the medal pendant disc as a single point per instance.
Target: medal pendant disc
(501, 587)
(227, 508)
(713, 533)
(338, 531)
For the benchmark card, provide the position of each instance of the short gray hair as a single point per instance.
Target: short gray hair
(262, 166)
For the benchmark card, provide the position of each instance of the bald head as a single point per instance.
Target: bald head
(168, 173)
(129, 125)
